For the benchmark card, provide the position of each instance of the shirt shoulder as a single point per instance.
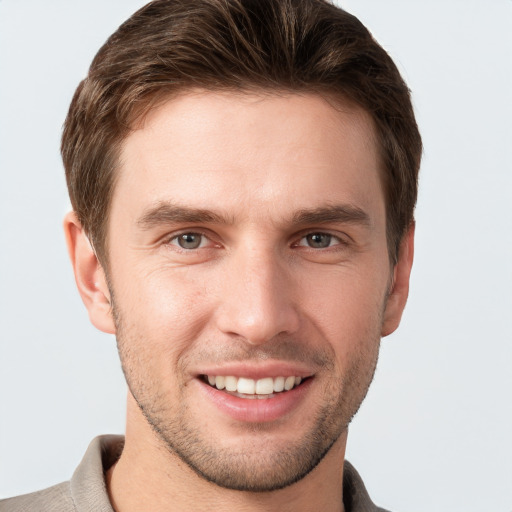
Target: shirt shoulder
(53, 499)
(355, 495)
(85, 492)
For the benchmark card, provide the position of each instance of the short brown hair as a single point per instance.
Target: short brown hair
(287, 45)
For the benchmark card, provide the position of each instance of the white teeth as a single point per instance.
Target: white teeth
(231, 383)
(278, 384)
(265, 386)
(244, 386)
(289, 383)
(220, 381)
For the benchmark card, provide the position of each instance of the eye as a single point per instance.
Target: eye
(319, 240)
(189, 240)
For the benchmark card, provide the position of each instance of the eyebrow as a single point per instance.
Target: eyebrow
(168, 213)
(333, 213)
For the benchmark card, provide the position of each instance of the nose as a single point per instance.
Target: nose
(257, 301)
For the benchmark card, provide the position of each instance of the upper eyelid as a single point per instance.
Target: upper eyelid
(177, 235)
(337, 239)
(343, 238)
(196, 231)
(171, 242)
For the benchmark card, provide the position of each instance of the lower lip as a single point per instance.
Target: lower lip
(257, 410)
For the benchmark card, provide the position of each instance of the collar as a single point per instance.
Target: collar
(89, 490)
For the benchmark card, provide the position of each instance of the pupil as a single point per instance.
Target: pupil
(319, 240)
(190, 241)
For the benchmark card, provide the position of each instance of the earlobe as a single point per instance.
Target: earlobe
(399, 292)
(89, 275)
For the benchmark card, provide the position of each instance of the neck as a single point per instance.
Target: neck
(149, 477)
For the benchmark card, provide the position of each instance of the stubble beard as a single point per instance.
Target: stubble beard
(259, 466)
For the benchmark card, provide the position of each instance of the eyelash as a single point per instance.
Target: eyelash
(176, 237)
(338, 240)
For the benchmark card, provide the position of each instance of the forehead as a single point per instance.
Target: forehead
(250, 154)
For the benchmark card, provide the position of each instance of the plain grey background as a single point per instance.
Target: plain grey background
(435, 432)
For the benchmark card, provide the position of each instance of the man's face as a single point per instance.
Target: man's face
(247, 246)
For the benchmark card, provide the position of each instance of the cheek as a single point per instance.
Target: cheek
(348, 310)
(166, 308)
(160, 317)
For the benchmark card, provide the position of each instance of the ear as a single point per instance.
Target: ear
(89, 275)
(400, 286)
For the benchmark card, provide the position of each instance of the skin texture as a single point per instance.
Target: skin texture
(259, 180)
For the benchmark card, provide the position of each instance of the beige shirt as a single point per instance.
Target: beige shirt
(87, 491)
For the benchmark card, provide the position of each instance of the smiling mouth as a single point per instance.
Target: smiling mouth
(243, 387)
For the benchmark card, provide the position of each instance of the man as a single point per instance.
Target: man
(243, 178)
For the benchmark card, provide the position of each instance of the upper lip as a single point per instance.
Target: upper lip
(256, 371)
